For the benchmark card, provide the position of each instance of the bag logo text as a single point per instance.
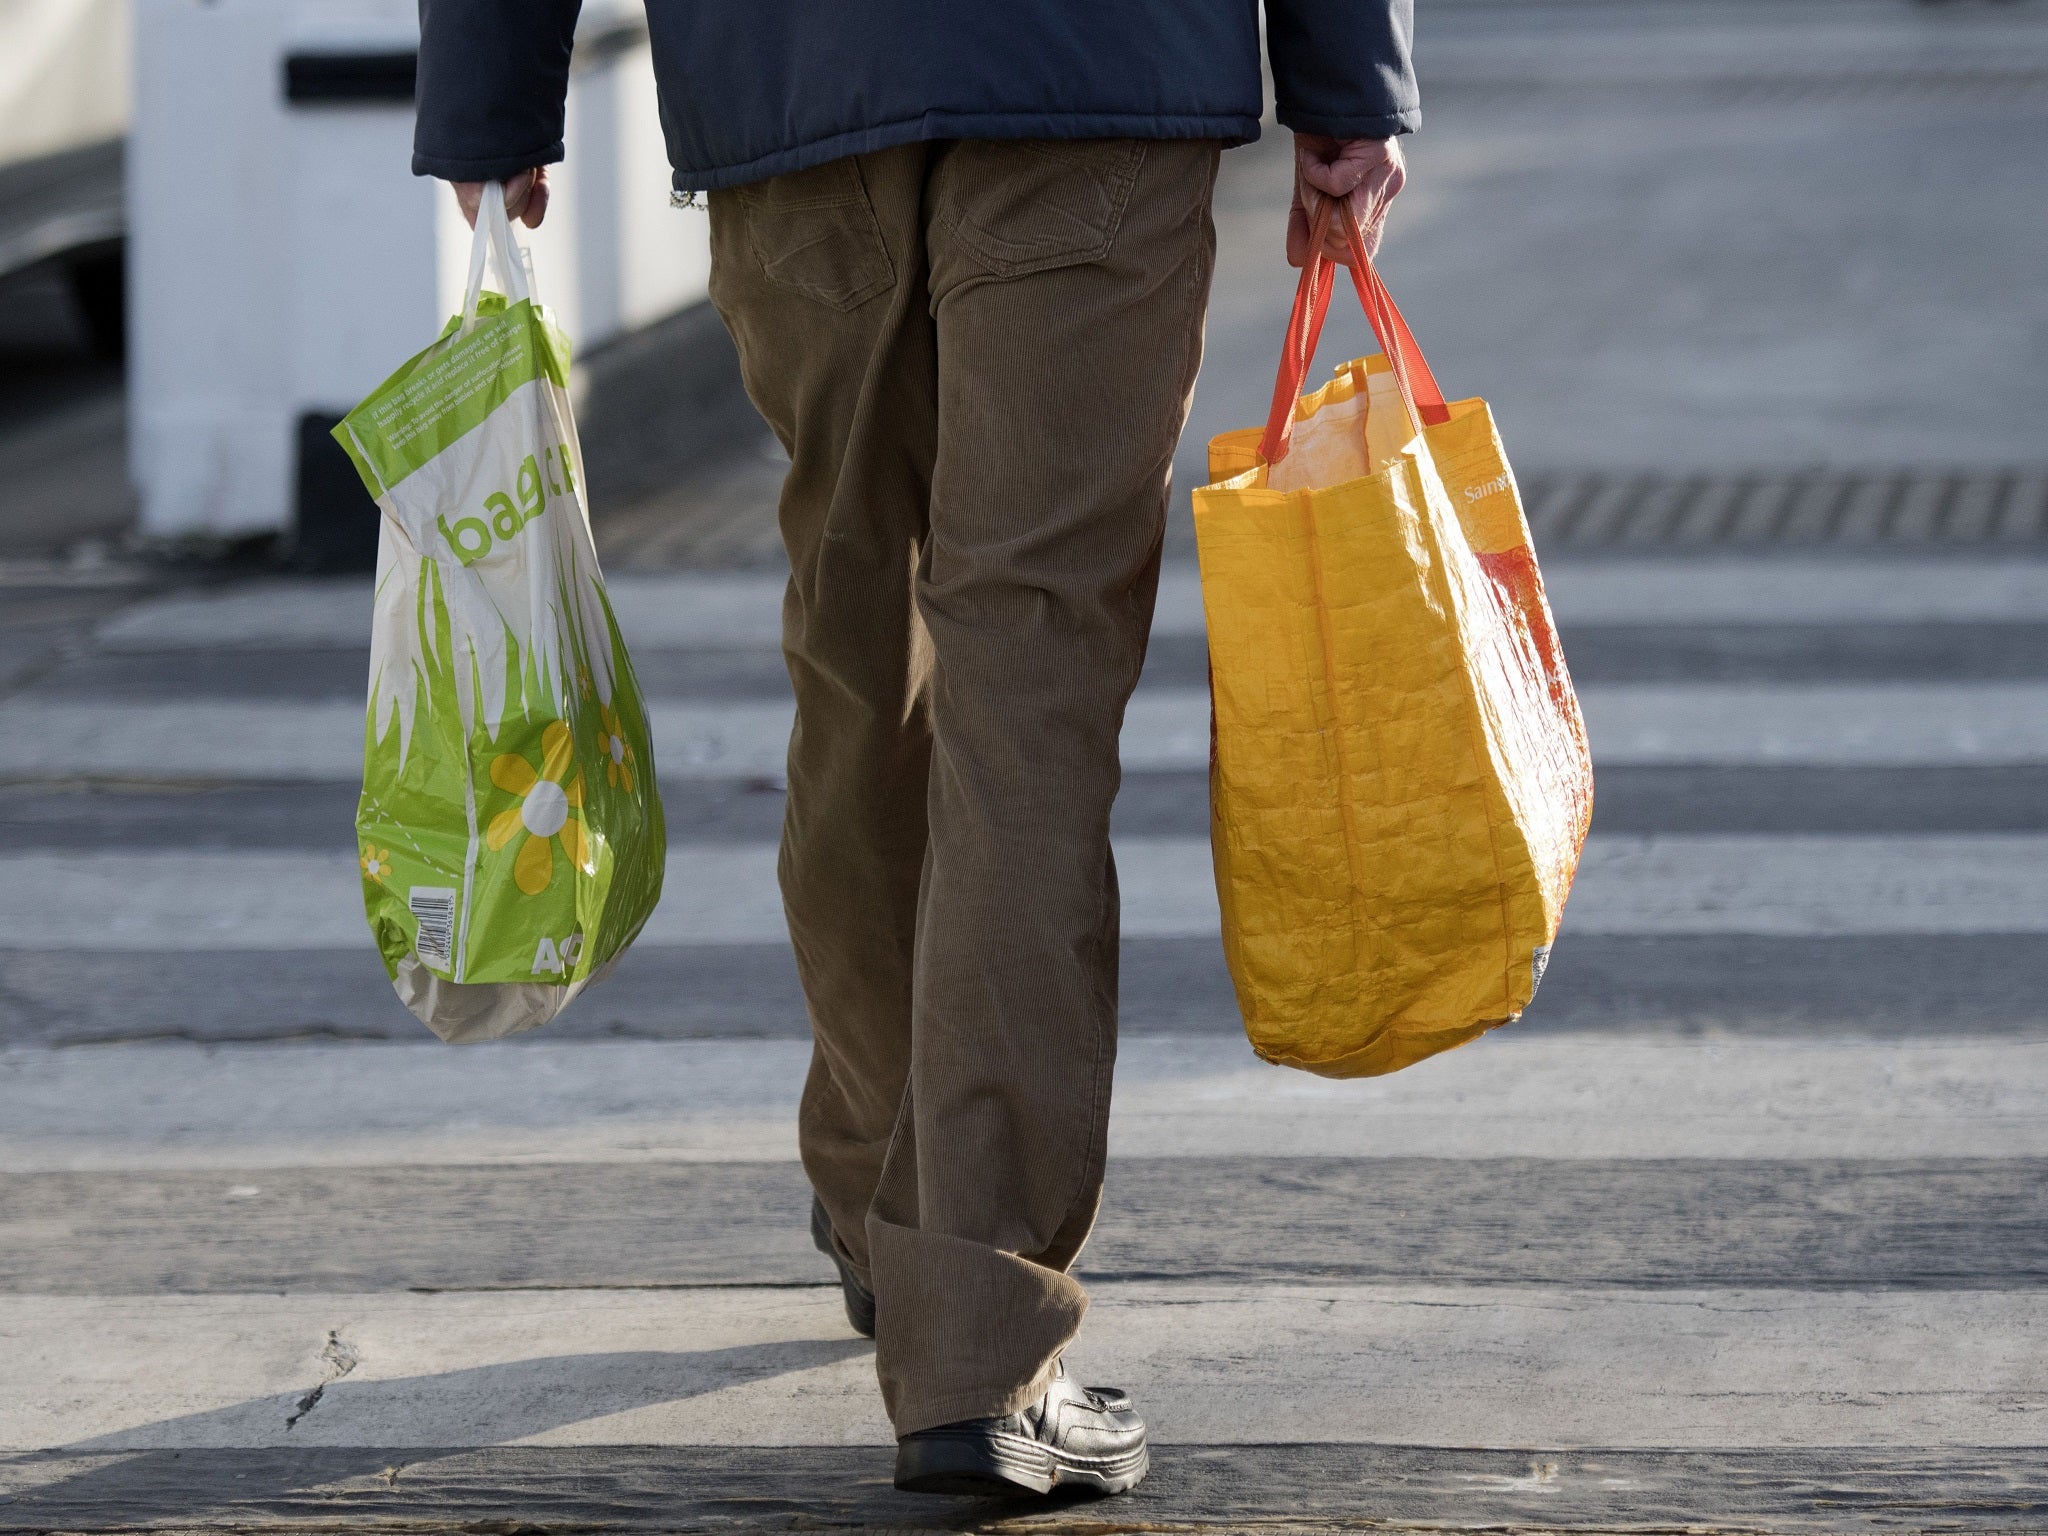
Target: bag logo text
(472, 537)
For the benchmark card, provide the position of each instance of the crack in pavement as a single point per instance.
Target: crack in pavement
(341, 1358)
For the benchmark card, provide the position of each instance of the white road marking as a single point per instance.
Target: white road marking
(681, 610)
(1212, 1364)
(1811, 885)
(1506, 1095)
(1875, 725)
(1895, 725)
(242, 739)
(196, 738)
(684, 609)
(1785, 589)
(692, 609)
(258, 616)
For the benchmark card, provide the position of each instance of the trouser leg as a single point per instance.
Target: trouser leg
(979, 356)
(1067, 286)
(820, 278)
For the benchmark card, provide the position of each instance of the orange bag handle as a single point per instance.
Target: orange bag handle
(1425, 400)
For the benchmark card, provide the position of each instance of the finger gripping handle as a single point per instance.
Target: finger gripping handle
(493, 239)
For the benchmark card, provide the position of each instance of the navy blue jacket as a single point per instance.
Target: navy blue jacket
(752, 88)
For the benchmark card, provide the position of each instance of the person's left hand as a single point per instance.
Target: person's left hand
(1368, 172)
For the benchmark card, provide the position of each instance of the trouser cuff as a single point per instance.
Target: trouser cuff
(963, 1330)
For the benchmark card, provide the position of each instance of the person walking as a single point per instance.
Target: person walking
(965, 254)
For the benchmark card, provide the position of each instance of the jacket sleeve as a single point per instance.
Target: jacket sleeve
(493, 76)
(1342, 67)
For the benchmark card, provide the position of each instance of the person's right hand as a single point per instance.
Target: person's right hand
(526, 197)
(1368, 172)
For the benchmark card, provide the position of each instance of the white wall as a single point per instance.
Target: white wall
(208, 380)
(284, 259)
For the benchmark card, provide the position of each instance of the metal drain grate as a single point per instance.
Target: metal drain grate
(1902, 506)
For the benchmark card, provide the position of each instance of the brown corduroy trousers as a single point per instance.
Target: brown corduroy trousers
(978, 355)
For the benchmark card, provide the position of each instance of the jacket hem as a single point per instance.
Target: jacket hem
(1375, 125)
(1232, 127)
(485, 168)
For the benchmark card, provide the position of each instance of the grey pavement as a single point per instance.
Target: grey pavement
(1740, 1228)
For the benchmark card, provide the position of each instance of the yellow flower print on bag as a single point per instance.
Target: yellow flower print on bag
(618, 752)
(543, 811)
(492, 648)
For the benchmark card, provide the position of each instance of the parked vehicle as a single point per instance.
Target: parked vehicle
(64, 98)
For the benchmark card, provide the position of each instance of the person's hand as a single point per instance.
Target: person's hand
(1369, 172)
(526, 197)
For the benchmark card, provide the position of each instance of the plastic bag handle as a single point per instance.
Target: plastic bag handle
(494, 238)
(1419, 390)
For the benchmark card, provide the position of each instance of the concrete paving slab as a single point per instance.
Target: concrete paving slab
(1214, 1364)
(1564, 1095)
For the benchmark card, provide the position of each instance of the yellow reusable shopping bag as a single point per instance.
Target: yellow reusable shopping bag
(1400, 783)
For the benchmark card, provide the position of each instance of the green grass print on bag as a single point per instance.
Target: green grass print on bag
(510, 829)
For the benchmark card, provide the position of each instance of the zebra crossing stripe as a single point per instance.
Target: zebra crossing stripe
(1892, 725)
(698, 609)
(1801, 591)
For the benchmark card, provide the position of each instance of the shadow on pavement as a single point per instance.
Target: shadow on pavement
(196, 1471)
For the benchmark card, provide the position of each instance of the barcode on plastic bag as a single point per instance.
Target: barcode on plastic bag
(434, 906)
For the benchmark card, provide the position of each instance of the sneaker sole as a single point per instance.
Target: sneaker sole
(1009, 1467)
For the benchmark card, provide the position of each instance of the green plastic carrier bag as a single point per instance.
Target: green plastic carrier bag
(510, 832)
